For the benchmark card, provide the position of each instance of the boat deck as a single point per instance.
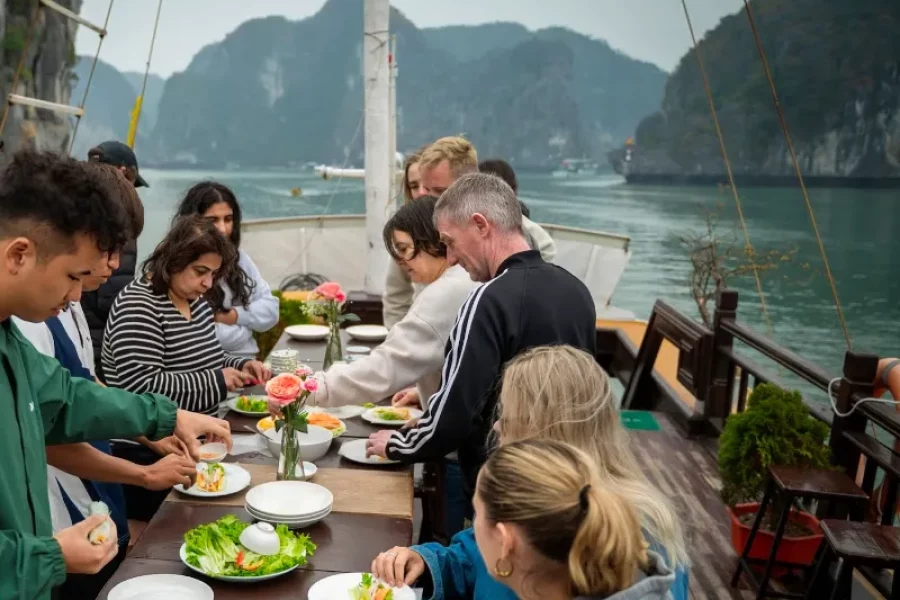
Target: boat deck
(685, 470)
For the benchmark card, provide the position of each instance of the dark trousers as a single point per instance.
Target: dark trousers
(87, 587)
(457, 505)
(140, 504)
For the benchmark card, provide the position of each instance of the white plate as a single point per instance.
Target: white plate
(371, 417)
(356, 451)
(367, 333)
(232, 404)
(183, 554)
(236, 479)
(293, 500)
(337, 587)
(154, 587)
(307, 333)
(348, 411)
(358, 349)
(292, 523)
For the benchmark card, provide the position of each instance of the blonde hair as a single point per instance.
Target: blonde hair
(456, 150)
(561, 393)
(554, 493)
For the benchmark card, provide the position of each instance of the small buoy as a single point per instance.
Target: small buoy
(296, 192)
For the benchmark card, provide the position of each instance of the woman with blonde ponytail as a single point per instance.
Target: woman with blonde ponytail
(548, 527)
(550, 393)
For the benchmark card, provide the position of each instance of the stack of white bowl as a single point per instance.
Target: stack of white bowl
(284, 361)
(296, 504)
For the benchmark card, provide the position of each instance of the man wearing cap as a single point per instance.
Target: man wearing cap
(97, 304)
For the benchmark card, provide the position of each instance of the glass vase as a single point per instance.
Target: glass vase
(333, 351)
(290, 455)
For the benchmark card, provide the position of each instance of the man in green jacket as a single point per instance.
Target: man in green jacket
(58, 217)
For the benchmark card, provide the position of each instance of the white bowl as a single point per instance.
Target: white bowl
(307, 333)
(153, 587)
(314, 444)
(261, 539)
(213, 452)
(367, 333)
(292, 500)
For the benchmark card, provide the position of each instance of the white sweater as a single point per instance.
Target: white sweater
(260, 315)
(399, 291)
(412, 353)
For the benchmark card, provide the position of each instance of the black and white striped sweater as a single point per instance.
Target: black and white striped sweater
(149, 346)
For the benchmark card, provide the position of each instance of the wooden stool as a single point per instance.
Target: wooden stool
(793, 483)
(856, 545)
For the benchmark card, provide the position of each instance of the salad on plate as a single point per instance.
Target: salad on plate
(371, 589)
(215, 550)
(252, 404)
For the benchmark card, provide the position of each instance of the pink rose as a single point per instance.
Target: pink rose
(329, 290)
(340, 297)
(311, 385)
(303, 372)
(284, 388)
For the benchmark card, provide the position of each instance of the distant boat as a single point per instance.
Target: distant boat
(576, 167)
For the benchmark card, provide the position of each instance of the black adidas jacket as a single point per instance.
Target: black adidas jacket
(528, 303)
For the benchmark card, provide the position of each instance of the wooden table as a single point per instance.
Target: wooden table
(347, 540)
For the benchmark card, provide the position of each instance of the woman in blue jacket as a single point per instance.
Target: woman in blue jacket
(554, 393)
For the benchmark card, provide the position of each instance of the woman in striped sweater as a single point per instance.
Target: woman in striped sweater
(161, 337)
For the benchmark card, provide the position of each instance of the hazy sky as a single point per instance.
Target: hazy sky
(651, 30)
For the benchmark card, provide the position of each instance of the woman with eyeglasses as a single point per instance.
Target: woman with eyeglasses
(413, 352)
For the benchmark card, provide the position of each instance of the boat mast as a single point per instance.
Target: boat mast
(378, 162)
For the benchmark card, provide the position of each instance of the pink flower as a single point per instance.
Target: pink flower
(284, 388)
(303, 372)
(311, 385)
(330, 290)
(340, 297)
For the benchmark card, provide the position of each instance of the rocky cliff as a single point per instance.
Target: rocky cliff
(47, 73)
(836, 66)
(277, 92)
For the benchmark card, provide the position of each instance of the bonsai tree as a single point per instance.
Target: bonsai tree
(776, 429)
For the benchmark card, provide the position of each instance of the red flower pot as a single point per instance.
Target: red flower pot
(800, 550)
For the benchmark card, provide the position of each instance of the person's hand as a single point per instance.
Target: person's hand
(274, 408)
(227, 317)
(398, 566)
(169, 472)
(234, 379)
(407, 397)
(168, 446)
(258, 371)
(376, 445)
(189, 426)
(80, 555)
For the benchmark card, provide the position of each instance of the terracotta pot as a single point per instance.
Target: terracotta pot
(801, 550)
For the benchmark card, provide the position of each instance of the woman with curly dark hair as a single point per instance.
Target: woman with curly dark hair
(242, 302)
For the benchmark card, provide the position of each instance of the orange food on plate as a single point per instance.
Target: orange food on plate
(323, 420)
(266, 424)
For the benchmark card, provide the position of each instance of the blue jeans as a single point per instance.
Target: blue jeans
(456, 503)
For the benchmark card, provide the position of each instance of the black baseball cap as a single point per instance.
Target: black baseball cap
(118, 154)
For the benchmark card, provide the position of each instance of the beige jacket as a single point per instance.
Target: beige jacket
(412, 353)
(399, 291)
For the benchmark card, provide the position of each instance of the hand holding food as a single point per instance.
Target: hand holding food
(79, 553)
(258, 371)
(398, 566)
(407, 397)
(370, 588)
(189, 426)
(234, 379)
(168, 472)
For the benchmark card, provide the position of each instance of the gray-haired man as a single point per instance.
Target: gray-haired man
(524, 302)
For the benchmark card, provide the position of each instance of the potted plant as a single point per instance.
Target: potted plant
(776, 429)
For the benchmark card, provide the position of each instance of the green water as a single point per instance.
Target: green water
(857, 227)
